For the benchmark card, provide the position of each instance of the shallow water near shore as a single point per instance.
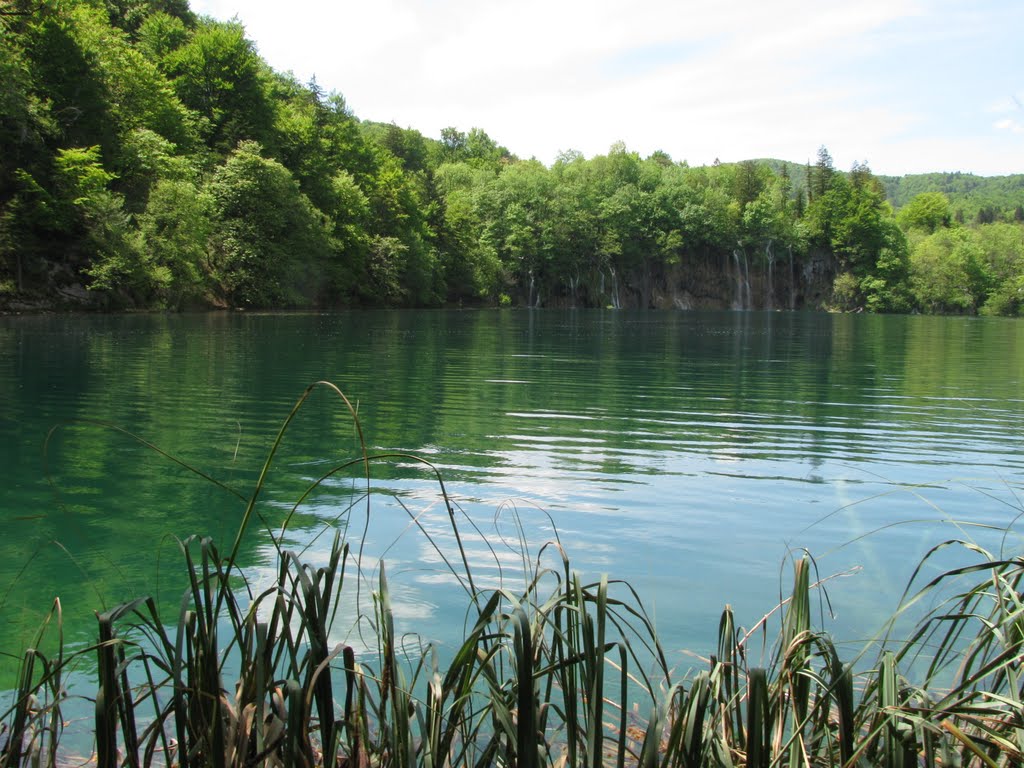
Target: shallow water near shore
(686, 453)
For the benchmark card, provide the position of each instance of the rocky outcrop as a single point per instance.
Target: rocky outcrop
(714, 282)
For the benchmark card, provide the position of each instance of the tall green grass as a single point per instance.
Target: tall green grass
(557, 671)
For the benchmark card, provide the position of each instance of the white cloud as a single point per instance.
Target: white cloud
(1013, 126)
(700, 79)
(1013, 103)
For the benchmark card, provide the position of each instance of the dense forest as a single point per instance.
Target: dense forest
(152, 159)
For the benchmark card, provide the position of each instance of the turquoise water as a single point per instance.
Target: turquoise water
(688, 453)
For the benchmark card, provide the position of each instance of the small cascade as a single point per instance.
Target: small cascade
(615, 290)
(769, 292)
(529, 293)
(748, 303)
(742, 300)
(793, 283)
(737, 302)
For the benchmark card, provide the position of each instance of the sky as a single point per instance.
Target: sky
(907, 86)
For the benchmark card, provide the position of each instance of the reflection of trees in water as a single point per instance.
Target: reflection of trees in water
(572, 410)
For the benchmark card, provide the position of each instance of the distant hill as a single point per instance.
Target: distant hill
(797, 171)
(997, 197)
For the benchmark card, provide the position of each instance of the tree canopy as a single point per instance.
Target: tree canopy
(154, 159)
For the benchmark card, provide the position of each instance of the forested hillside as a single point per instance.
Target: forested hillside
(973, 199)
(152, 159)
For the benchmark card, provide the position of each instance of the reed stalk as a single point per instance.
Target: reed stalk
(560, 671)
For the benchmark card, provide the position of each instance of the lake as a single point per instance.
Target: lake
(690, 453)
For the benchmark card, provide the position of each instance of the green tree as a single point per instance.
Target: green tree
(821, 175)
(767, 230)
(927, 211)
(515, 207)
(145, 158)
(29, 217)
(136, 93)
(175, 232)
(25, 119)
(407, 144)
(348, 217)
(750, 181)
(1002, 248)
(69, 76)
(472, 270)
(453, 145)
(218, 74)
(109, 240)
(130, 15)
(270, 245)
(572, 232)
(26, 127)
(398, 203)
(160, 35)
(885, 287)
(484, 151)
(947, 272)
(852, 220)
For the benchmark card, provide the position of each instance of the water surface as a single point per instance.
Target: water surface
(685, 452)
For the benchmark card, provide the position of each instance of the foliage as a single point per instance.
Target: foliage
(928, 211)
(270, 243)
(174, 235)
(135, 92)
(851, 218)
(972, 199)
(1002, 246)
(846, 291)
(219, 76)
(978, 269)
(947, 272)
(160, 34)
(387, 216)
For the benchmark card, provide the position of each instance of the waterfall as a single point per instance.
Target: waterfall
(793, 283)
(529, 293)
(742, 300)
(747, 303)
(769, 297)
(737, 303)
(615, 289)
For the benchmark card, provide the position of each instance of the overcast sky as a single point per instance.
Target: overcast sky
(909, 86)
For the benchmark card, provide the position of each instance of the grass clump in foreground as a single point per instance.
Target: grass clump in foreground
(560, 672)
